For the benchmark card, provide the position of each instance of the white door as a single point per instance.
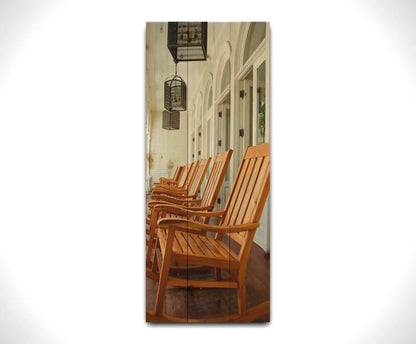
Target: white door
(245, 131)
(224, 144)
(193, 147)
(207, 153)
(199, 144)
(253, 130)
(261, 118)
(260, 124)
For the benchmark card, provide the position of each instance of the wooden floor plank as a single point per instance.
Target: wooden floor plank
(210, 303)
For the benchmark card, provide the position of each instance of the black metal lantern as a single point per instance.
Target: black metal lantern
(175, 94)
(187, 41)
(171, 120)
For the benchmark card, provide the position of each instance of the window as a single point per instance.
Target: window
(227, 138)
(256, 35)
(208, 138)
(226, 76)
(261, 103)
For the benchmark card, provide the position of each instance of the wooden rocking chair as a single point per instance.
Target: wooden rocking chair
(190, 190)
(195, 183)
(175, 178)
(184, 241)
(189, 187)
(205, 203)
(182, 181)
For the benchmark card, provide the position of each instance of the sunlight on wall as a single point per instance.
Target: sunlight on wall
(168, 148)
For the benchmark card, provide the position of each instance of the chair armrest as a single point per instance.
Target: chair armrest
(182, 209)
(169, 198)
(152, 204)
(167, 180)
(167, 189)
(156, 202)
(176, 200)
(188, 211)
(183, 225)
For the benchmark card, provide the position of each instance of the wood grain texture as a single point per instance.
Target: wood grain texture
(180, 242)
(207, 201)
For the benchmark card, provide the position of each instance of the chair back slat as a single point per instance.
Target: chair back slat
(235, 190)
(249, 191)
(177, 173)
(215, 178)
(263, 183)
(255, 165)
(185, 174)
(199, 175)
(191, 175)
(209, 185)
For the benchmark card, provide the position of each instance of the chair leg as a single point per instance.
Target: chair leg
(161, 290)
(154, 263)
(241, 292)
(163, 275)
(152, 235)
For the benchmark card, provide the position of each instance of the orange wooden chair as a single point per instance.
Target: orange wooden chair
(184, 241)
(205, 203)
(195, 174)
(180, 189)
(175, 178)
(182, 178)
(194, 184)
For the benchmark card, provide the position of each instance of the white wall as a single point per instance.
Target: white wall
(167, 148)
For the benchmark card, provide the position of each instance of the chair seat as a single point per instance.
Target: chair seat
(190, 248)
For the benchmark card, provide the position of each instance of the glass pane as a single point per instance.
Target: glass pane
(208, 138)
(208, 149)
(227, 138)
(227, 129)
(261, 103)
(250, 118)
(226, 76)
(256, 34)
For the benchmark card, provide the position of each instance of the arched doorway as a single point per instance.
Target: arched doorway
(252, 61)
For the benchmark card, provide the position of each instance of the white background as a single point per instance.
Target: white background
(72, 118)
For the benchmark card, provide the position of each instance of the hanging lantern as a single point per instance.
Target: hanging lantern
(187, 41)
(175, 94)
(171, 120)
